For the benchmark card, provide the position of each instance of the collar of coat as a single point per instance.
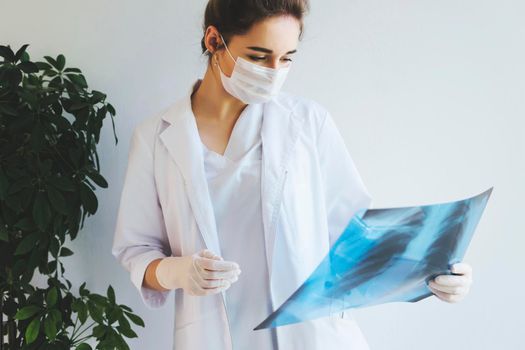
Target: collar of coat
(279, 131)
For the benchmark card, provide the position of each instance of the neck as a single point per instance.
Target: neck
(211, 101)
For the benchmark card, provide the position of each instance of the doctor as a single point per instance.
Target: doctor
(239, 176)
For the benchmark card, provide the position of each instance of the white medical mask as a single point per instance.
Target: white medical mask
(252, 83)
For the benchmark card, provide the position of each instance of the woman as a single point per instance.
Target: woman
(237, 175)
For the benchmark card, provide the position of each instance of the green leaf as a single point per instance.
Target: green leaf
(32, 331)
(128, 332)
(51, 73)
(74, 70)
(89, 199)
(125, 307)
(28, 67)
(95, 312)
(61, 62)
(25, 224)
(97, 97)
(27, 312)
(41, 211)
(83, 346)
(7, 53)
(78, 79)
(43, 65)
(4, 236)
(83, 313)
(26, 196)
(56, 315)
(99, 331)
(111, 109)
(50, 328)
(20, 184)
(51, 297)
(21, 51)
(98, 299)
(113, 313)
(135, 319)
(52, 61)
(81, 309)
(13, 76)
(62, 183)
(57, 200)
(98, 179)
(24, 57)
(111, 294)
(65, 252)
(27, 243)
(54, 246)
(75, 153)
(52, 265)
(82, 290)
(79, 105)
(121, 344)
(123, 321)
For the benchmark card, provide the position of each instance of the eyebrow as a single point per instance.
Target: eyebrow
(265, 50)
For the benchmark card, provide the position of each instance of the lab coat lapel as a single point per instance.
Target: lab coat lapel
(279, 134)
(182, 140)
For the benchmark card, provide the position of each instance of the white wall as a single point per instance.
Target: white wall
(429, 95)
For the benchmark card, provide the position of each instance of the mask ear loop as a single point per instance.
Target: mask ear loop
(226, 46)
(214, 57)
(217, 60)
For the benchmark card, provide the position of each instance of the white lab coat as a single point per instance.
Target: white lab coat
(310, 188)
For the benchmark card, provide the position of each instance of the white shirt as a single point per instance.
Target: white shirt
(234, 184)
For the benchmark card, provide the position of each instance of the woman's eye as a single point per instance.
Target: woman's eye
(256, 58)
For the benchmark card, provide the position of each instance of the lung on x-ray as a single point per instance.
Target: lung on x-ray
(384, 255)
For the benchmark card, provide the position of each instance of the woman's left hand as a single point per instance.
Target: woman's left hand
(453, 288)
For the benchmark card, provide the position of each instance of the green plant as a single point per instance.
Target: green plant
(49, 128)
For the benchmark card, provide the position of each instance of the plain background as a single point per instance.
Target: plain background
(429, 96)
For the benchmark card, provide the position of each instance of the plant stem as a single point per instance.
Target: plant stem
(85, 329)
(82, 339)
(74, 328)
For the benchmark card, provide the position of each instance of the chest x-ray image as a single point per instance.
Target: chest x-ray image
(385, 255)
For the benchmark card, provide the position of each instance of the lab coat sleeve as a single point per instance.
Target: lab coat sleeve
(344, 189)
(140, 235)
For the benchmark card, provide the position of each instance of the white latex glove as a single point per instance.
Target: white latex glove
(453, 288)
(202, 273)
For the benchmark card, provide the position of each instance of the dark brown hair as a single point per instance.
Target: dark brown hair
(236, 17)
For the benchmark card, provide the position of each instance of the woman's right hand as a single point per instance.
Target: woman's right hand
(202, 273)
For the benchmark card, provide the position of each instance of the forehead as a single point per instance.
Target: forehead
(279, 34)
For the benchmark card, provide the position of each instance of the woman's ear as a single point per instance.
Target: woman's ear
(215, 43)
(213, 39)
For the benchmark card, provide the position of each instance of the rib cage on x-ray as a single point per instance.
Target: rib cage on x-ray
(384, 255)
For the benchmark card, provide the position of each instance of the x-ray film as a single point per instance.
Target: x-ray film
(384, 255)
